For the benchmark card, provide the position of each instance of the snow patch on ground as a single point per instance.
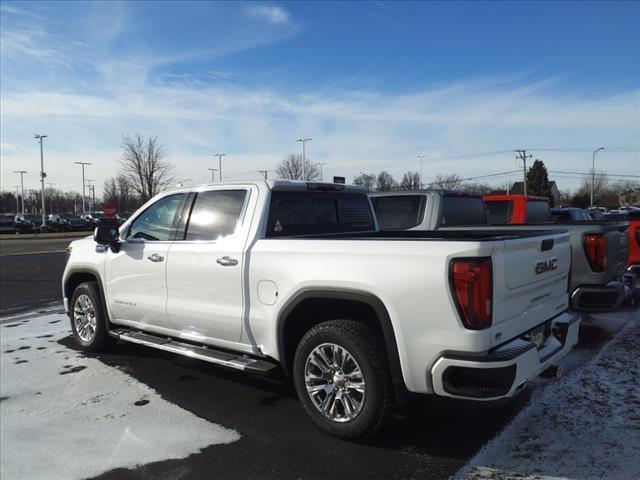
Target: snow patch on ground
(64, 415)
(584, 426)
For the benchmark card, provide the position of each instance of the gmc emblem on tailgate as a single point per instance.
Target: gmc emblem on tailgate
(543, 266)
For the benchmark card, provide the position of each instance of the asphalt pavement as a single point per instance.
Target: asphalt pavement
(30, 273)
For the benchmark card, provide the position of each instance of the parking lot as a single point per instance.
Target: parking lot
(149, 402)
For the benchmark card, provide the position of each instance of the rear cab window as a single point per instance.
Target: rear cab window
(537, 212)
(399, 212)
(499, 211)
(297, 213)
(463, 210)
(215, 214)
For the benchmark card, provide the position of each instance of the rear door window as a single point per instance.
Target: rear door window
(215, 214)
(399, 212)
(294, 213)
(499, 211)
(537, 211)
(462, 210)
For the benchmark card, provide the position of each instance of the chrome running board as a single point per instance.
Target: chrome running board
(208, 354)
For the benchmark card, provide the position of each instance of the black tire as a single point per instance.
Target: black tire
(367, 348)
(100, 339)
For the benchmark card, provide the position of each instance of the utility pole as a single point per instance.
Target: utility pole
(83, 183)
(593, 172)
(263, 173)
(51, 195)
(522, 155)
(213, 173)
(21, 173)
(40, 138)
(304, 153)
(421, 157)
(321, 165)
(220, 155)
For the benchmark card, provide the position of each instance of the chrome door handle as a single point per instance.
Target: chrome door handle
(227, 261)
(155, 257)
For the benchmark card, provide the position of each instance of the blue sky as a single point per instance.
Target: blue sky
(374, 84)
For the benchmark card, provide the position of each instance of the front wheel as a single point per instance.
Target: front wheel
(342, 378)
(89, 319)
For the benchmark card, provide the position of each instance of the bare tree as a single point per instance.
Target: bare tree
(366, 179)
(447, 182)
(385, 181)
(144, 165)
(410, 181)
(480, 187)
(290, 168)
(119, 193)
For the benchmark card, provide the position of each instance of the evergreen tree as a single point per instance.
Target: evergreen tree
(538, 181)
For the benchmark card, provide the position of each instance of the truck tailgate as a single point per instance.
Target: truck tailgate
(530, 283)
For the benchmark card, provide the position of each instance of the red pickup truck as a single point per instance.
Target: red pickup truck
(634, 242)
(517, 209)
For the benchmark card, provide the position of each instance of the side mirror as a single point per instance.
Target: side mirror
(107, 235)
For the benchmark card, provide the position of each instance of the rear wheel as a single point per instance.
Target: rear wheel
(88, 318)
(342, 379)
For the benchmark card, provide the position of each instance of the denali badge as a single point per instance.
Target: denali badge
(543, 266)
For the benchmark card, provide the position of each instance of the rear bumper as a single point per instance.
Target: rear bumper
(599, 298)
(505, 369)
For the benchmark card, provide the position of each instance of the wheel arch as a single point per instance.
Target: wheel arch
(81, 275)
(310, 307)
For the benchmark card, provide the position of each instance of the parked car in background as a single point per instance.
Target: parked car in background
(598, 209)
(28, 223)
(570, 214)
(92, 219)
(295, 276)
(595, 214)
(615, 216)
(599, 248)
(6, 224)
(73, 222)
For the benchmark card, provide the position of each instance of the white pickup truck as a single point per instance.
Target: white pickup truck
(295, 277)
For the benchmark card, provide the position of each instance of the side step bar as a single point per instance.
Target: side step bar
(208, 354)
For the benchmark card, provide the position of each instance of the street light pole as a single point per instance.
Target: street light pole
(213, 172)
(21, 173)
(220, 155)
(83, 183)
(264, 173)
(92, 194)
(421, 157)
(593, 172)
(40, 138)
(304, 154)
(17, 199)
(320, 165)
(51, 195)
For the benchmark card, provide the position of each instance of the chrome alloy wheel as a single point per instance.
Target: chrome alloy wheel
(84, 318)
(334, 382)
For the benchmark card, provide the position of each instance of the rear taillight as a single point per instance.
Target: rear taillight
(471, 286)
(637, 232)
(595, 247)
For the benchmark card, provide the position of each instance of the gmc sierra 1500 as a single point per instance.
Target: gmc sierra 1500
(295, 276)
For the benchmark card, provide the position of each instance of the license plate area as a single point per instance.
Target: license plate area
(538, 336)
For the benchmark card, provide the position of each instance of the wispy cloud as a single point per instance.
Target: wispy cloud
(272, 13)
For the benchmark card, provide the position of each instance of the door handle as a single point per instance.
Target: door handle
(227, 261)
(155, 257)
